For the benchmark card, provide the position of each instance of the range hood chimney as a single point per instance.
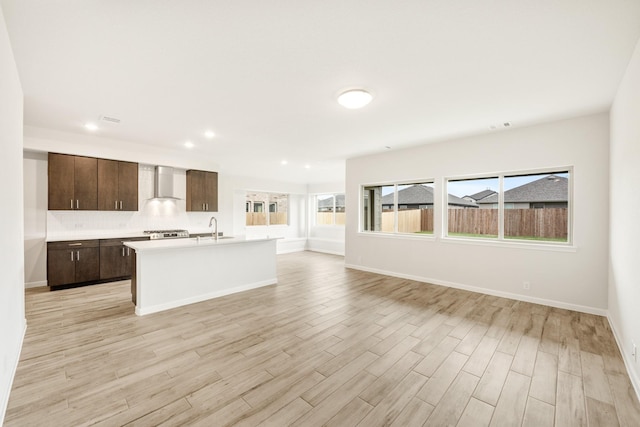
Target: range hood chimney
(163, 183)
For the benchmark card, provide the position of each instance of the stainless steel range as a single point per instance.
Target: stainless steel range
(166, 234)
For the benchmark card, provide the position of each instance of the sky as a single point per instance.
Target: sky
(469, 187)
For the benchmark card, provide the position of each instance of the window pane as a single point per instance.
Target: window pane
(278, 209)
(536, 206)
(255, 208)
(473, 207)
(415, 208)
(378, 208)
(340, 212)
(324, 209)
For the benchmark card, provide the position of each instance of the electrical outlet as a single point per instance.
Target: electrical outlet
(526, 285)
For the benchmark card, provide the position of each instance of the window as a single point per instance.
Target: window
(398, 208)
(541, 206)
(330, 209)
(466, 218)
(278, 208)
(531, 206)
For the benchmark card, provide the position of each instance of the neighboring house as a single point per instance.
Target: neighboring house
(421, 197)
(326, 205)
(480, 195)
(548, 192)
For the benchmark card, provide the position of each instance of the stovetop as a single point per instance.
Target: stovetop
(166, 234)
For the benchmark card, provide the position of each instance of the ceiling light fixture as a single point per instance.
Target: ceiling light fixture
(91, 126)
(307, 166)
(209, 134)
(284, 162)
(354, 98)
(189, 144)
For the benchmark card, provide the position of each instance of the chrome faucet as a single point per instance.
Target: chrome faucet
(214, 234)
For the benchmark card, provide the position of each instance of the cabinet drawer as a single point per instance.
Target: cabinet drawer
(71, 244)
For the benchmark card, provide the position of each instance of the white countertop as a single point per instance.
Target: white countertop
(94, 236)
(192, 242)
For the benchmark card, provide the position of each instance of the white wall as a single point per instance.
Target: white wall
(12, 315)
(624, 285)
(325, 238)
(35, 218)
(575, 278)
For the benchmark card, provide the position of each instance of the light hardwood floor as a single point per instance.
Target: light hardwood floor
(326, 346)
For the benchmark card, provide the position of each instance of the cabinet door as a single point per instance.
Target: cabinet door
(86, 183)
(61, 182)
(128, 186)
(87, 264)
(211, 186)
(61, 267)
(108, 185)
(196, 190)
(112, 261)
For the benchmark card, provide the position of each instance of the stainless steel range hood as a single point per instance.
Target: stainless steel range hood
(163, 183)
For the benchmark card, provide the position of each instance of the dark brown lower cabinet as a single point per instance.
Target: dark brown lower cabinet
(77, 262)
(70, 262)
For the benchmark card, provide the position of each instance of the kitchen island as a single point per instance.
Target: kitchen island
(175, 272)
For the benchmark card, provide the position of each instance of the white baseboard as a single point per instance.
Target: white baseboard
(628, 363)
(35, 284)
(517, 297)
(204, 297)
(5, 402)
(325, 251)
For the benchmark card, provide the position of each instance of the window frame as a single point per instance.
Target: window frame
(500, 239)
(395, 231)
(266, 207)
(314, 212)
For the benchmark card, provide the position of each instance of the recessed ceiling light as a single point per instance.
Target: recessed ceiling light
(209, 134)
(189, 144)
(354, 98)
(284, 162)
(91, 126)
(307, 166)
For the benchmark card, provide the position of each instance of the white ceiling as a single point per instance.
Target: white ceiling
(264, 75)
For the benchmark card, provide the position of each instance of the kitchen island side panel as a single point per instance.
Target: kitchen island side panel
(174, 277)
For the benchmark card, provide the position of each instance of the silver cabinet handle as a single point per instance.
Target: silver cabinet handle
(71, 200)
(128, 251)
(123, 251)
(77, 204)
(115, 205)
(207, 206)
(77, 255)
(120, 204)
(75, 244)
(71, 256)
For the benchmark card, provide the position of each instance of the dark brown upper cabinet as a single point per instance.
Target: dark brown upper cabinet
(117, 185)
(202, 191)
(73, 182)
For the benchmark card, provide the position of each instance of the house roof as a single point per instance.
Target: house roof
(481, 194)
(328, 202)
(419, 194)
(551, 188)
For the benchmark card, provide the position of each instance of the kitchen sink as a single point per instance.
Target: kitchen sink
(211, 238)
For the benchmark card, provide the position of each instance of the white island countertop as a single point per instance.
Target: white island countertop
(191, 242)
(170, 273)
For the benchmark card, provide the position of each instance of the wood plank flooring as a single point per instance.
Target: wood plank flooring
(326, 346)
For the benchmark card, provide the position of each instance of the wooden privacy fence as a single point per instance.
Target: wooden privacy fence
(260, 218)
(545, 223)
(326, 218)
